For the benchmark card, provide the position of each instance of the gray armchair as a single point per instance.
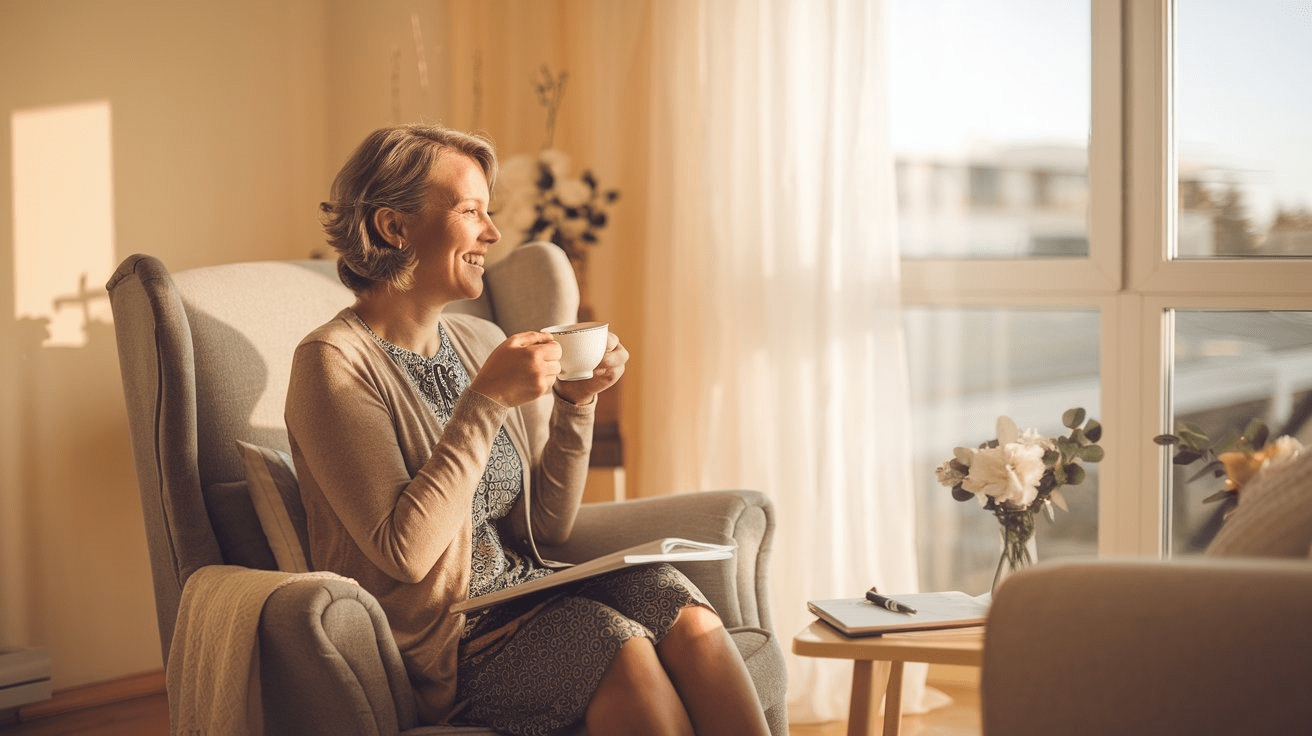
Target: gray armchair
(205, 356)
(1140, 647)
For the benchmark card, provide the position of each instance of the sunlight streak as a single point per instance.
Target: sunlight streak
(63, 218)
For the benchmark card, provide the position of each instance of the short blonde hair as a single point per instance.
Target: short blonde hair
(389, 170)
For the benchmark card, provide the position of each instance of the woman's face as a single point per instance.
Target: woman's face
(453, 231)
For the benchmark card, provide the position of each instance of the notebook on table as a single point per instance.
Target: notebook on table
(944, 610)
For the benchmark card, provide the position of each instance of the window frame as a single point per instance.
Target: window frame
(1128, 275)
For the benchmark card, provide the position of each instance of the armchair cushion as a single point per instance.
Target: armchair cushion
(276, 495)
(236, 527)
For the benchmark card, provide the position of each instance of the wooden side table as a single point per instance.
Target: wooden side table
(941, 646)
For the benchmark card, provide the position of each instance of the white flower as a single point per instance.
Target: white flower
(948, 475)
(523, 218)
(515, 218)
(525, 211)
(573, 192)
(1010, 473)
(572, 228)
(515, 212)
(518, 175)
(1032, 437)
(553, 213)
(556, 161)
(1007, 431)
(1284, 449)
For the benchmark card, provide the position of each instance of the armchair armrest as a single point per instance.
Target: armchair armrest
(737, 587)
(328, 663)
(1148, 647)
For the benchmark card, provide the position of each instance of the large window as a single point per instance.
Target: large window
(1102, 204)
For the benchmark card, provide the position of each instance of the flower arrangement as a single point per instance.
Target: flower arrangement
(1019, 473)
(538, 198)
(1236, 458)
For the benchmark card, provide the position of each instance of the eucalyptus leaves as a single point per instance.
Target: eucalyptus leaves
(1237, 458)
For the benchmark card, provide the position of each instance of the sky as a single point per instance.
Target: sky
(965, 70)
(1244, 94)
(967, 73)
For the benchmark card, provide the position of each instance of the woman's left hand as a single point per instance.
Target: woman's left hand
(603, 376)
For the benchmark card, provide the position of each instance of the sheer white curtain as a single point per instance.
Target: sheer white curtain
(775, 359)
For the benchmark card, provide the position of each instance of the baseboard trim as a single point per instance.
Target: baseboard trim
(128, 687)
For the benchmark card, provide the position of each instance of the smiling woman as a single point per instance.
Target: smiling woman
(450, 233)
(390, 176)
(435, 455)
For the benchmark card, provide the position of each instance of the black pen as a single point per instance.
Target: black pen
(889, 603)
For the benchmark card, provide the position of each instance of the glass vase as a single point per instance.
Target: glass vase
(1019, 549)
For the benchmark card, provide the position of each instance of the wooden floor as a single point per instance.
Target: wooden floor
(149, 716)
(144, 716)
(958, 718)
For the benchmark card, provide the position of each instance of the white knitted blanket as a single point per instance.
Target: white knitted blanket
(213, 672)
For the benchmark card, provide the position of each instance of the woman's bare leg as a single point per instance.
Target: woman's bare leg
(710, 676)
(636, 697)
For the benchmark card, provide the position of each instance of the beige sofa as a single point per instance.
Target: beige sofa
(1218, 645)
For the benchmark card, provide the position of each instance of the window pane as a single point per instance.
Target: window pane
(990, 105)
(1230, 368)
(969, 366)
(1243, 110)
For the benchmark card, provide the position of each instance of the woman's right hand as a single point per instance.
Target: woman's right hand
(520, 369)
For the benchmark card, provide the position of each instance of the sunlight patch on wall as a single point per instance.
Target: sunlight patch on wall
(63, 218)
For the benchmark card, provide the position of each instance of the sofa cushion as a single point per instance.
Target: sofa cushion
(237, 527)
(1273, 516)
(276, 495)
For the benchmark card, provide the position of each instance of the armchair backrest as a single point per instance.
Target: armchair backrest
(1208, 647)
(205, 356)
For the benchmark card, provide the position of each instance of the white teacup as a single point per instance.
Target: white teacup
(581, 347)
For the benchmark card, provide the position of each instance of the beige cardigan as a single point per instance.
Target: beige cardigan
(388, 492)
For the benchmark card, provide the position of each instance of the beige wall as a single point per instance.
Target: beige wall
(218, 142)
(229, 118)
